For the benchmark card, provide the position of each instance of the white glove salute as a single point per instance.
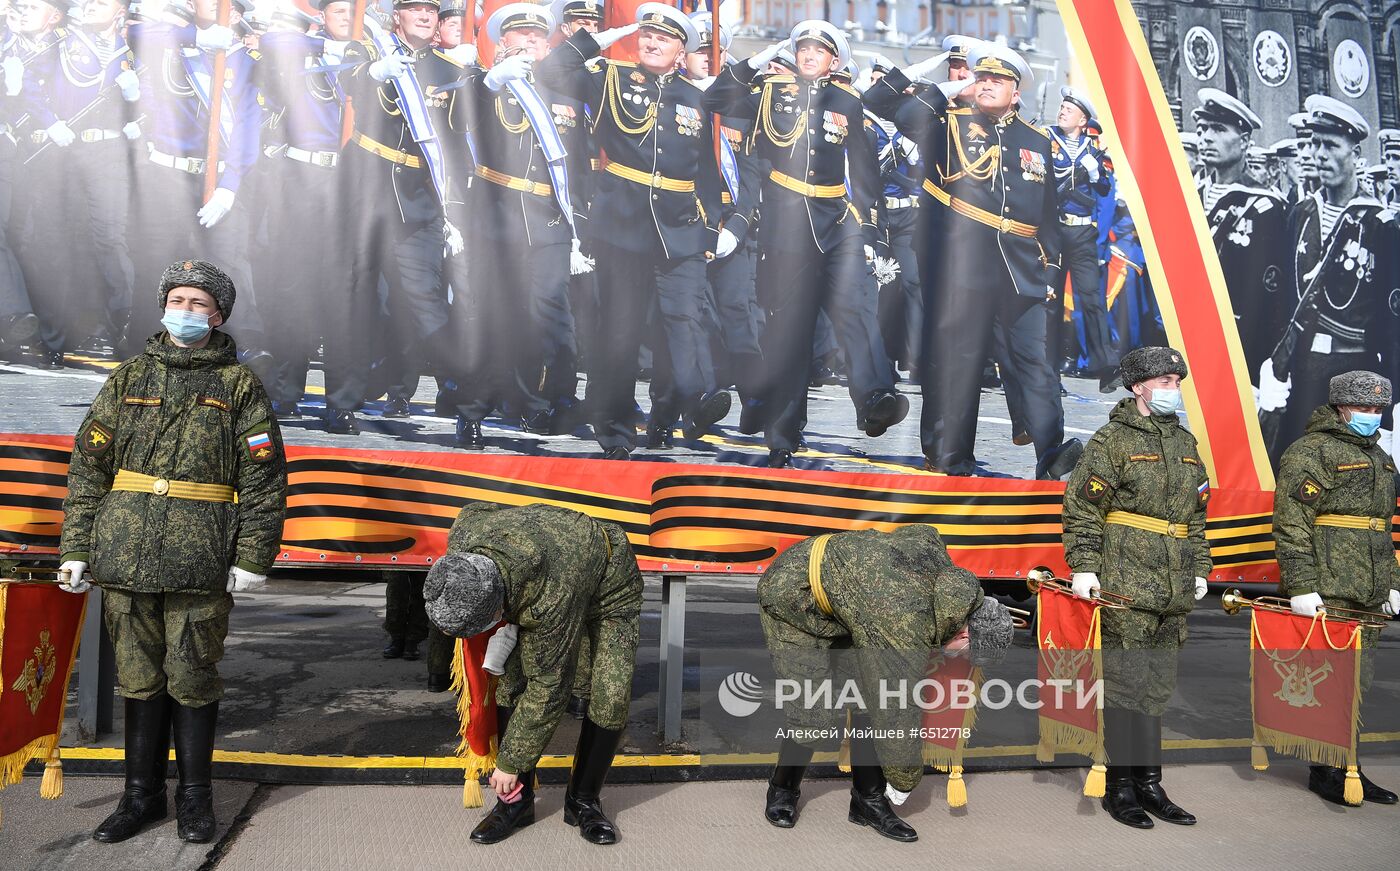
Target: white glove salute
(14, 75)
(725, 244)
(1201, 587)
(1084, 584)
(244, 581)
(498, 649)
(765, 57)
(130, 85)
(452, 237)
(949, 90)
(512, 69)
(1273, 393)
(1392, 603)
(76, 583)
(218, 207)
(919, 71)
(1305, 605)
(390, 66)
(215, 37)
(464, 54)
(605, 38)
(60, 134)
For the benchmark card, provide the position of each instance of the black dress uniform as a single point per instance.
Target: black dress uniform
(739, 316)
(654, 216)
(813, 234)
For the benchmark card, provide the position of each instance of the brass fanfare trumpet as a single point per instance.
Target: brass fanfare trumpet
(1041, 576)
(1233, 600)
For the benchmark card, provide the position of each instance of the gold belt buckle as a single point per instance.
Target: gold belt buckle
(656, 179)
(1171, 529)
(160, 486)
(1377, 524)
(1006, 225)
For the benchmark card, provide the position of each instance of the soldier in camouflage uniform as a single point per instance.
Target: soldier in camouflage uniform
(560, 576)
(892, 598)
(173, 434)
(1135, 514)
(1332, 526)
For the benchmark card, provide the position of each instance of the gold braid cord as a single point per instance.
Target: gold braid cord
(626, 122)
(765, 119)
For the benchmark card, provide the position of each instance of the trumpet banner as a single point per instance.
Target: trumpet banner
(1305, 688)
(40, 626)
(1071, 720)
(947, 727)
(476, 712)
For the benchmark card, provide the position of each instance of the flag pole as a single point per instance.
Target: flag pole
(216, 99)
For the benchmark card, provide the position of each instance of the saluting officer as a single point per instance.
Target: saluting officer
(1332, 527)
(172, 436)
(655, 215)
(818, 229)
(1135, 524)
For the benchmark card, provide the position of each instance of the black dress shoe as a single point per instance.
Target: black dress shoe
(1120, 800)
(439, 681)
(779, 459)
(1060, 461)
(824, 376)
(660, 435)
(1110, 382)
(539, 423)
(1021, 437)
(617, 453)
(709, 411)
(342, 422)
(1372, 793)
(393, 650)
(1329, 782)
(1147, 784)
(286, 410)
(578, 708)
(396, 406)
(469, 435)
(883, 410)
(53, 360)
(410, 651)
(19, 328)
(505, 818)
(870, 807)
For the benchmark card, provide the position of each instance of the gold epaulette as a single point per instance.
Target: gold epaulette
(847, 88)
(960, 110)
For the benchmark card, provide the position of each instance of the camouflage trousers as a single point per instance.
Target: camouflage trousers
(1370, 637)
(168, 641)
(611, 646)
(1140, 650)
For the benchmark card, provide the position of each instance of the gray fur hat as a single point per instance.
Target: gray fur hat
(989, 632)
(463, 593)
(1358, 387)
(203, 275)
(1144, 364)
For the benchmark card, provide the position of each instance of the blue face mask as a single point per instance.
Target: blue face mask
(1164, 401)
(185, 326)
(1364, 423)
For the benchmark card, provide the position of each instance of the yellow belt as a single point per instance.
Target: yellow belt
(393, 155)
(814, 574)
(650, 179)
(821, 191)
(1351, 521)
(978, 214)
(1147, 524)
(538, 188)
(135, 482)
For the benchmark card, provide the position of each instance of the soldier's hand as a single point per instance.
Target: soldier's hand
(244, 581)
(765, 57)
(869, 253)
(390, 66)
(504, 784)
(14, 75)
(921, 70)
(1090, 166)
(1305, 605)
(1273, 393)
(452, 238)
(61, 134)
(498, 649)
(218, 207)
(132, 130)
(605, 38)
(725, 244)
(1084, 584)
(511, 69)
(1201, 587)
(464, 54)
(76, 583)
(215, 37)
(1392, 603)
(130, 85)
(949, 90)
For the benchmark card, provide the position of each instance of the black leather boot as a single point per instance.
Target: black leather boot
(785, 786)
(194, 757)
(147, 746)
(1120, 798)
(506, 817)
(870, 807)
(394, 649)
(1328, 782)
(1147, 778)
(592, 759)
(1371, 792)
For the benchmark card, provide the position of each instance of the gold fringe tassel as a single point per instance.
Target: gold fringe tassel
(1097, 782)
(957, 788)
(51, 786)
(843, 758)
(1352, 793)
(1044, 752)
(474, 764)
(1258, 757)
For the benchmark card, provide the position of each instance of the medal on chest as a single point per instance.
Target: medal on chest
(834, 127)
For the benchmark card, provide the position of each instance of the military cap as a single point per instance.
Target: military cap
(590, 9)
(161, 11)
(1093, 127)
(786, 58)
(989, 628)
(670, 21)
(1144, 364)
(463, 594)
(452, 8)
(1377, 171)
(1216, 105)
(1330, 115)
(1358, 387)
(881, 64)
(64, 6)
(243, 6)
(517, 16)
(990, 58)
(1078, 98)
(1256, 154)
(321, 5)
(703, 23)
(1189, 140)
(434, 3)
(958, 46)
(289, 17)
(824, 33)
(203, 275)
(1285, 148)
(1390, 140)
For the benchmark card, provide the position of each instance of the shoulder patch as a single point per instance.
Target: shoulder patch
(1203, 491)
(141, 400)
(259, 446)
(1309, 491)
(1094, 489)
(213, 402)
(95, 439)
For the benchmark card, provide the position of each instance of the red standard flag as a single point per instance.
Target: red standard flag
(620, 13)
(1305, 677)
(476, 709)
(39, 630)
(951, 697)
(1070, 671)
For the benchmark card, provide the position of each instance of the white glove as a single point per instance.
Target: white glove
(1090, 166)
(917, 72)
(452, 237)
(949, 90)
(895, 796)
(14, 75)
(61, 134)
(765, 57)
(1305, 605)
(218, 207)
(333, 50)
(1273, 394)
(215, 37)
(1392, 603)
(132, 131)
(869, 253)
(725, 244)
(76, 582)
(1201, 587)
(605, 38)
(244, 581)
(498, 649)
(509, 70)
(130, 85)
(464, 54)
(390, 66)
(1084, 584)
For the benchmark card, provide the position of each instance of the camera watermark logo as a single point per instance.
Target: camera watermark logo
(740, 693)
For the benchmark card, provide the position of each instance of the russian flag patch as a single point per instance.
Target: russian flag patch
(260, 447)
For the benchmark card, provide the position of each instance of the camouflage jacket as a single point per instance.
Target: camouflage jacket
(561, 569)
(1332, 470)
(183, 415)
(1148, 466)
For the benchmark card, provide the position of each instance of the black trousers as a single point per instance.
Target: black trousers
(14, 295)
(901, 301)
(1079, 256)
(739, 317)
(800, 282)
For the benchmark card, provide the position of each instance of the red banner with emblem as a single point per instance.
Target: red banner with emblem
(1070, 671)
(39, 630)
(476, 713)
(951, 693)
